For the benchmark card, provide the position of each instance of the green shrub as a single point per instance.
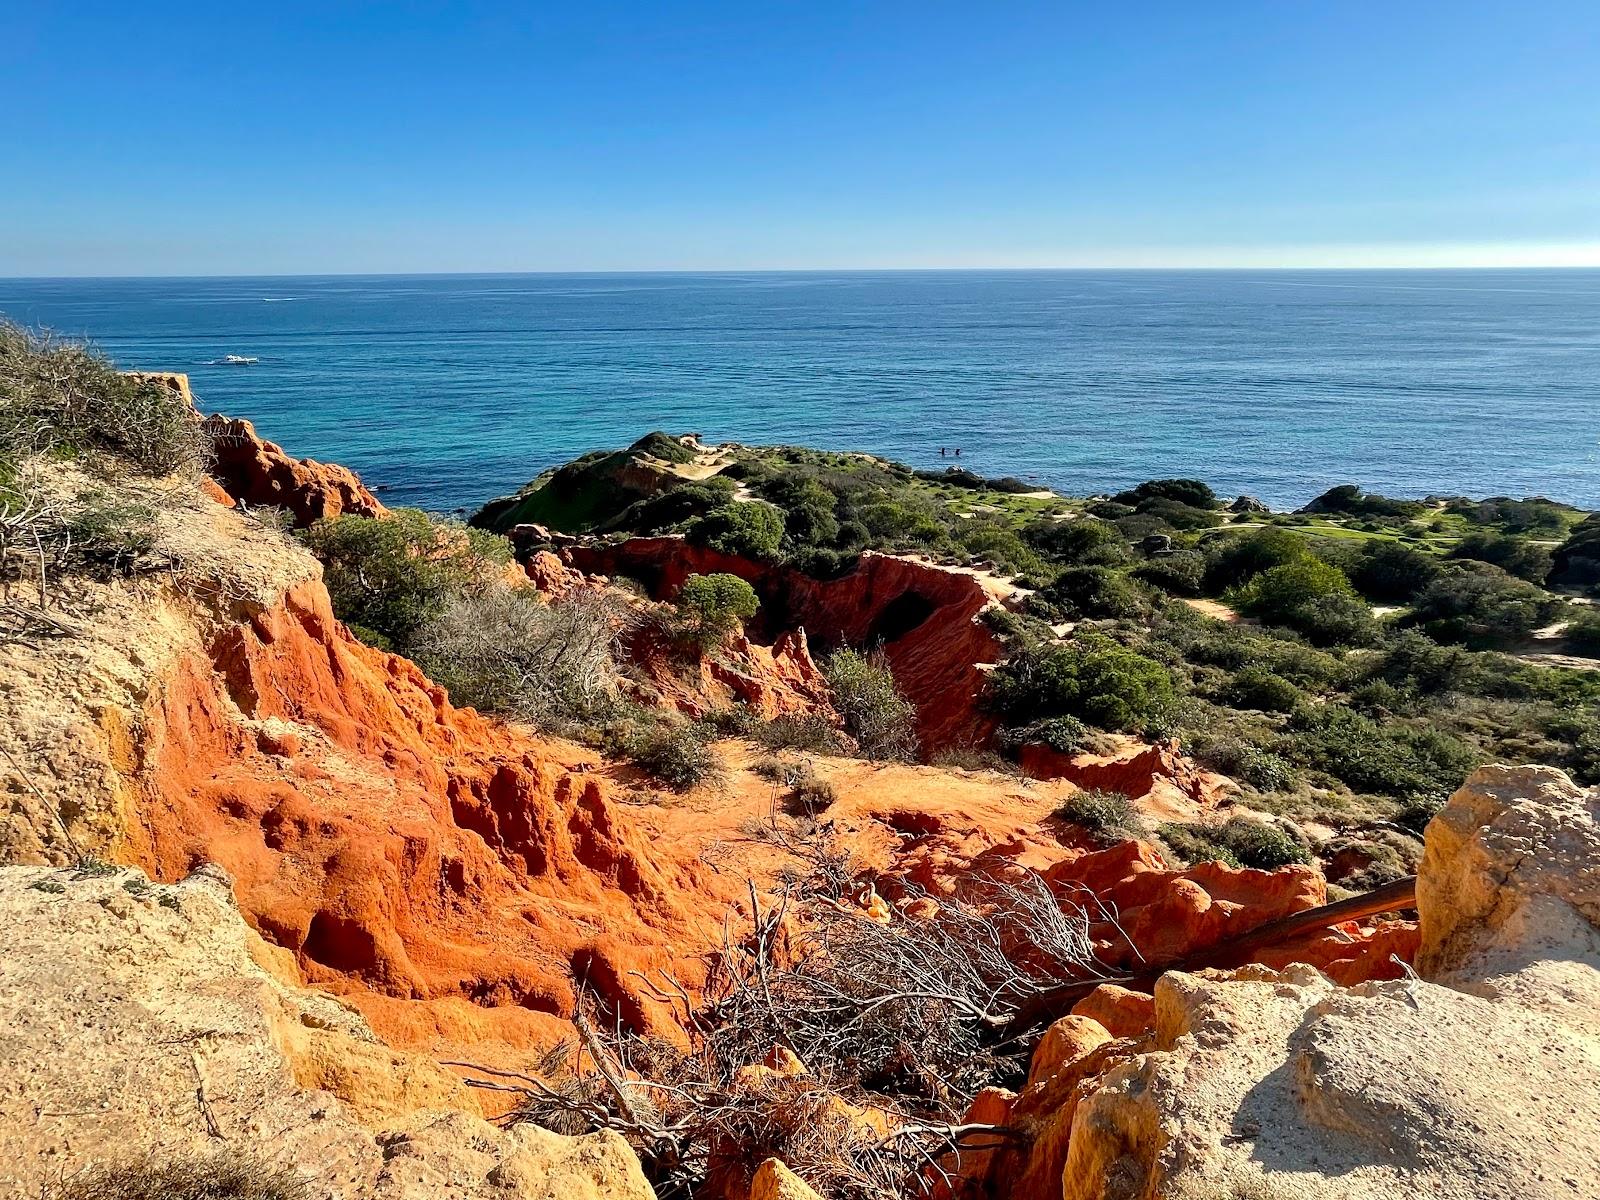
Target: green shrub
(1240, 841)
(1091, 678)
(663, 446)
(1235, 560)
(1281, 592)
(1392, 759)
(1175, 514)
(882, 721)
(1065, 735)
(1481, 604)
(750, 529)
(1107, 816)
(392, 574)
(1534, 515)
(1388, 572)
(1180, 574)
(1583, 632)
(1350, 500)
(678, 753)
(1577, 560)
(1192, 492)
(1259, 688)
(808, 509)
(999, 544)
(714, 605)
(1081, 542)
(1310, 596)
(1095, 592)
(669, 509)
(1515, 555)
(1194, 844)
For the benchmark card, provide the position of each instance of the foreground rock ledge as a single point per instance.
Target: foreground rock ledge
(134, 1019)
(1480, 1080)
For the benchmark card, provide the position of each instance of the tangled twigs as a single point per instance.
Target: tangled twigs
(893, 1026)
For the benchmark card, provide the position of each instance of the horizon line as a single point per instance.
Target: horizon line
(925, 270)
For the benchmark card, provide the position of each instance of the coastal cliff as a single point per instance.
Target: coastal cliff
(384, 943)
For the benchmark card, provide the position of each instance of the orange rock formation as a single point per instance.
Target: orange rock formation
(403, 849)
(258, 472)
(924, 616)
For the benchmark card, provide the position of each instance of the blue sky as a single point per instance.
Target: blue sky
(208, 139)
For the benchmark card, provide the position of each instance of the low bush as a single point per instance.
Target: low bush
(1094, 592)
(1108, 816)
(1234, 560)
(108, 531)
(1259, 688)
(1577, 560)
(1065, 735)
(1178, 574)
(1193, 492)
(61, 397)
(226, 1175)
(507, 650)
(808, 509)
(1388, 572)
(1350, 500)
(809, 732)
(1174, 514)
(1517, 556)
(1392, 759)
(678, 753)
(1240, 842)
(1583, 632)
(1480, 604)
(1083, 542)
(1091, 678)
(882, 721)
(1311, 597)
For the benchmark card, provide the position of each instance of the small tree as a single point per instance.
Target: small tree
(714, 605)
(390, 575)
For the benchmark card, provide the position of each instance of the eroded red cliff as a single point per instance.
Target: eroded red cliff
(924, 617)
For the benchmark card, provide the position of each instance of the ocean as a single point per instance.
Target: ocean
(444, 391)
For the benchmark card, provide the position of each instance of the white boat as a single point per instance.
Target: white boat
(236, 360)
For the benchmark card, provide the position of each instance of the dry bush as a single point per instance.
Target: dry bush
(875, 713)
(60, 397)
(906, 1018)
(226, 1175)
(508, 650)
(60, 400)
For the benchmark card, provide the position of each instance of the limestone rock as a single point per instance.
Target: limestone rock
(134, 1020)
(1482, 1082)
(774, 1181)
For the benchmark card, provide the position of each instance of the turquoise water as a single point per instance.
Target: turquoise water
(446, 390)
